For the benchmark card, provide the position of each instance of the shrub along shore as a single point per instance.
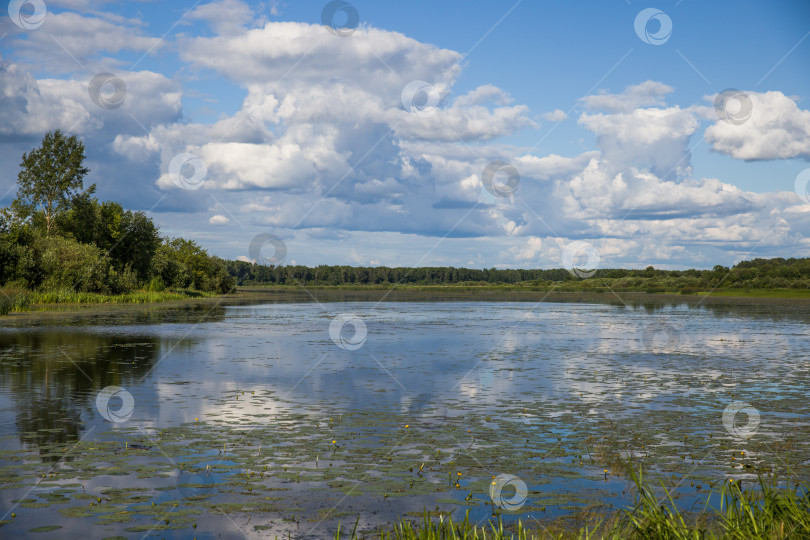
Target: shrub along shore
(60, 244)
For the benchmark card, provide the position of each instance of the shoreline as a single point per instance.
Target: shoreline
(595, 292)
(84, 313)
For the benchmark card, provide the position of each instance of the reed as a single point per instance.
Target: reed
(13, 299)
(767, 513)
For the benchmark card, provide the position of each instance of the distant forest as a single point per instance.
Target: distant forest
(754, 274)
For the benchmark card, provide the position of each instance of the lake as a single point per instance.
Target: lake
(294, 415)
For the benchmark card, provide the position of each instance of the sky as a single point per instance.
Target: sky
(521, 134)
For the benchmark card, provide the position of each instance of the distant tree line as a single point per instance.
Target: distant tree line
(252, 274)
(56, 235)
(756, 274)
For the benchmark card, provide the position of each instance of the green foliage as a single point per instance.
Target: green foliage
(767, 513)
(762, 274)
(651, 518)
(50, 177)
(137, 297)
(13, 299)
(130, 238)
(69, 265)
(60, 242)
(156, 285)
(183, 263)
(445, 529)
(14, 237)
(251, 274)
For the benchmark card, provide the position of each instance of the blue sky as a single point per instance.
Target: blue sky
(292, 129)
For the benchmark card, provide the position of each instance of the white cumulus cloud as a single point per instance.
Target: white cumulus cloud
(776, 129)
(218, 219)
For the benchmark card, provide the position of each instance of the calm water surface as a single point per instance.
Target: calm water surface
(257, 421)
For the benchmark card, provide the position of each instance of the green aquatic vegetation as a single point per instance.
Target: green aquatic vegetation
(770, 511)
(38, 504)
(37, 299)
(76, 511)
(379, 463)
(45, 528)
(13, 299)
(767, 514)
(125, 516)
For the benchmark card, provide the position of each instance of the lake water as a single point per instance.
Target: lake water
(267, 419)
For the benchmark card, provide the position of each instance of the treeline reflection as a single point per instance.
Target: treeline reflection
(54, 376)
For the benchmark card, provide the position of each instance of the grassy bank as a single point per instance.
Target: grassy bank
(16, 300)
(766, 513)
(22, 300)
(562, 288)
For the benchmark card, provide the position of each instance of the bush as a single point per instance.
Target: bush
(181, 264)
(67, 264)
(156, 285)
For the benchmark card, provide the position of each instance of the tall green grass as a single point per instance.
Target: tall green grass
(135, 297)
(445, 529)
(767, 513)
(14, 299)
(586, 286)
